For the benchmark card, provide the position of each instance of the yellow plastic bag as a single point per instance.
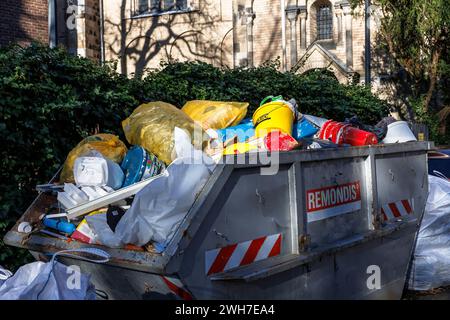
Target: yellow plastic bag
(108, 145)
(216, 114)
(151, 125)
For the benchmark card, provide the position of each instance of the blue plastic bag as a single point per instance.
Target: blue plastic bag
(304, 129)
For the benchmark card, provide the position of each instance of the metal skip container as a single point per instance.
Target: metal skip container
(330, 224)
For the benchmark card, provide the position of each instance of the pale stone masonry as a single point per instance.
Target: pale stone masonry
(304, 34)
(88, 29)
(238, 33)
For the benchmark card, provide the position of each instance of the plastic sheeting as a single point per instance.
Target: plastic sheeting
(47, 281)
(215, 114)
(158, 209)
(151, 126)
(431, 263)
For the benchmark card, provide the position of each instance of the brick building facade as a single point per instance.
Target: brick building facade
(23, 21)
(308, 34)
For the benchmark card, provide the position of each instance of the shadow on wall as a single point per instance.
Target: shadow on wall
(19, 23)
(140, 40)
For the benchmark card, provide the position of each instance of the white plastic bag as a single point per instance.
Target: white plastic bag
(185, 150)
(158, 209)
(102, 232)
(51, 280)
(35, 281)
(431, 264)
(4, 275)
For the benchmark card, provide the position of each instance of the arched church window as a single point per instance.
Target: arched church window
(324, 22)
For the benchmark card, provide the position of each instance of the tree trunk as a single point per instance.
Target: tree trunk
(433, 79)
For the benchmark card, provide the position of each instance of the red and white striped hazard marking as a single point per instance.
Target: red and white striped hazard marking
(177, 287)
(241, 254)
(397, 209)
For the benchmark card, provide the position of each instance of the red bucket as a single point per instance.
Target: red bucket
(324, 128)
(357, 137)
(332, 130)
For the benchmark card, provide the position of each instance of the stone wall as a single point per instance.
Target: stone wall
(88, 29)
(143, 41)
(232, 33)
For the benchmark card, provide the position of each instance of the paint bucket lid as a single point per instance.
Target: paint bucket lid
(280, 100)
(133, 165)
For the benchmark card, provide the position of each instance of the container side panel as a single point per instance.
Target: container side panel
(403, 185)
(334, 199)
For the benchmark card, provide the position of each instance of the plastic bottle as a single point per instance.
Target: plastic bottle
(62, 226)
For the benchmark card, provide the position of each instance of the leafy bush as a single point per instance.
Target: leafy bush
(50, 100)
(317, 93)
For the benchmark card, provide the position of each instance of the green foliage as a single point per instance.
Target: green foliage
(317, 92)
(416, 34)
(430, 120)
(10, 257)
(49, 101)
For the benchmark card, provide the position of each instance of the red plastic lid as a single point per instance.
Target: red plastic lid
(279, 141)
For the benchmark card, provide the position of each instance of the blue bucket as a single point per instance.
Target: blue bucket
(138, 165)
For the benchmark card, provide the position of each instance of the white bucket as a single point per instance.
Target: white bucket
(399, 131)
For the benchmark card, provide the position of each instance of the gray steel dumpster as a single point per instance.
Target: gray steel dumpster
(332, 223)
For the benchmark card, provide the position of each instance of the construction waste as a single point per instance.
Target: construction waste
(135, 197)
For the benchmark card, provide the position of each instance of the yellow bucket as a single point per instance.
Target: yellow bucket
(275, 115)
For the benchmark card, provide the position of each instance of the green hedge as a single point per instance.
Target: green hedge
(50, 100)
(317, 93)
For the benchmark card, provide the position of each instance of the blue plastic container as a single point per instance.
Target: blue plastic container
(138, 164)
(60, 225)
(245, 130)
(133, 165)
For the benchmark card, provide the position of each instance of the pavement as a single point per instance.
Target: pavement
(442, 293)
